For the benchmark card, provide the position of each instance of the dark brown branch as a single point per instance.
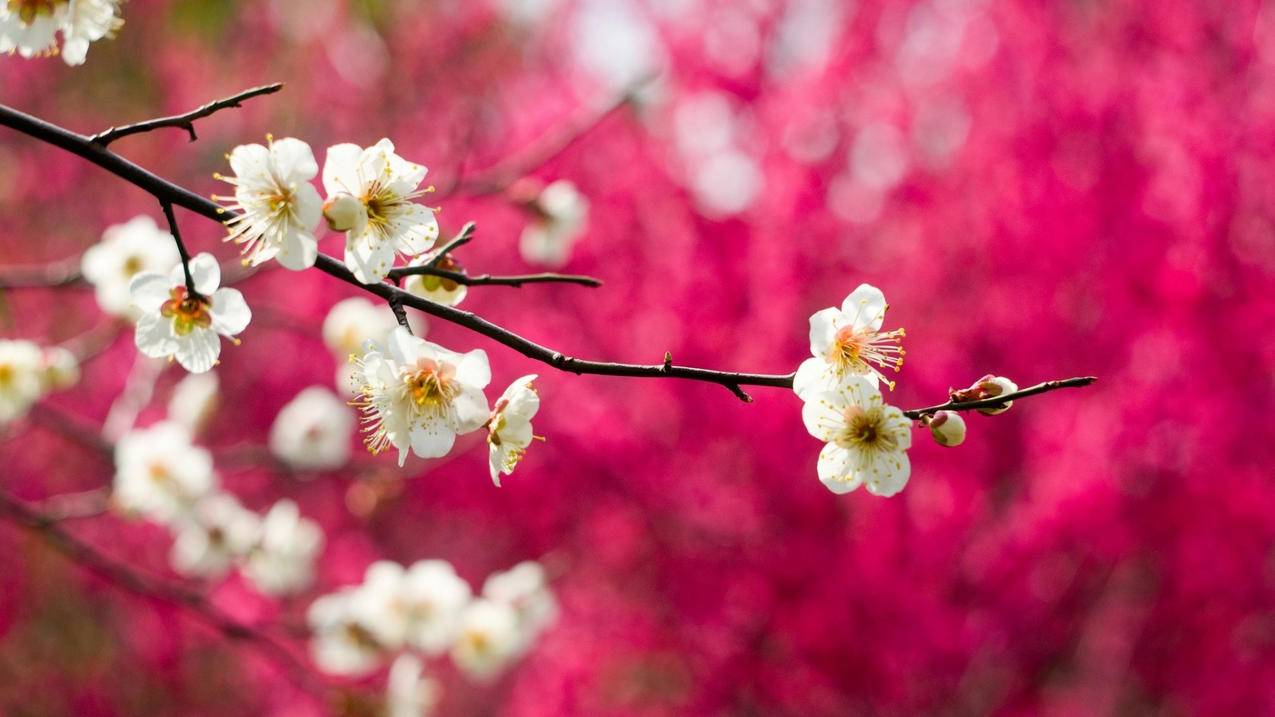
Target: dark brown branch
(489, 280)
(184, 121)
(181, 248)
(396, 305)
(166, 191)
(123, 576)
(998, 401)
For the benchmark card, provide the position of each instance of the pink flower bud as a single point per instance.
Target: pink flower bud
(948, 428)
(992, 386)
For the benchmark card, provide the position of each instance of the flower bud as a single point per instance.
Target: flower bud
(948, 428)
(992, 386)
(343, 212)
(61, 368)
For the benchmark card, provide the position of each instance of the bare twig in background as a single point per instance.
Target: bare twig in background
(64, 272)
(184, 121)
(125, 577)
(489, 280)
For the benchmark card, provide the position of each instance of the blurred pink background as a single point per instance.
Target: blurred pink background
(1041, 189)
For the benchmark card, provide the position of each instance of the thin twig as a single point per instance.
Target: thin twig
(191, 292)
(184, 121)
(463, 237)
(489, 280)
(396, 305)
(69, 506)
(998, 401)
(123, 576)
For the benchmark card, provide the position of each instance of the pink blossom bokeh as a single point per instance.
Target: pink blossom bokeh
(1041, 189)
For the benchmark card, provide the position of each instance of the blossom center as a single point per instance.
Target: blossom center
(431, 386)
(863, 350)
(864, 431)
(132, 265)
(28, 10)
(6, 375)
(187, 312)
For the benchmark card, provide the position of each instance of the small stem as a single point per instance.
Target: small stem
(397, 307)
(996, 401)
(490, 280)
(181, 248)
(463, 237)
(184, 121)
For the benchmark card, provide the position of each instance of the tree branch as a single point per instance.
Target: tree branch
(121, 575)
(184, 121)
(463, 237)
(489, 280)
(64, 272)
(181, 248)
(997, 401)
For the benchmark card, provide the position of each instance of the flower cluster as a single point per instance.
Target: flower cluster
(28, 372)
(416, 395)
(162, 476)
(427, 610)
(371, 197)
(30, 27)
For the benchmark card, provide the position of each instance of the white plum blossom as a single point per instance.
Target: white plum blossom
(61, 369)
(353, 322)
(125, 251)
(947, 427)
(867, 440)
(418, 606)
(409, 692)
(849, 342)
(282, 562)
(341, 644)
(159, 474)
(29, 27)
(312, 432)
(216, 534)
(509, 428)
(488, 639)
(371, 195)
(194, 400)
(439, 289)
(173, 323)
(21, 377)
(525, 588)
(278, 207)
(559, 214)
(418, 395)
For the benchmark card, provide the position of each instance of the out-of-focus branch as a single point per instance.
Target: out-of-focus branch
(489, 280)
(998, 401)
(64, 272)
(70, 506)
(123, 576)
(498, 178)
(184, 121)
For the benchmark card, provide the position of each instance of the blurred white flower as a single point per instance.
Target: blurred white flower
(849, 341)
(435, 596)
(312, 432)
(340, 644)
(283, 560)
(159, 474)
(87, 21)
(489, 638)
(525, 588)
(409, 692)
(353, 322)
(21, 377)
(418, 395)
(61, 369)
(370, 198)
(194, 401)
(509, 428)
(125, 251)
(558, 214)
(175, 324)
(216, 534)
(867, 440)
(279, 208)
(438, 289)
(948, 428)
